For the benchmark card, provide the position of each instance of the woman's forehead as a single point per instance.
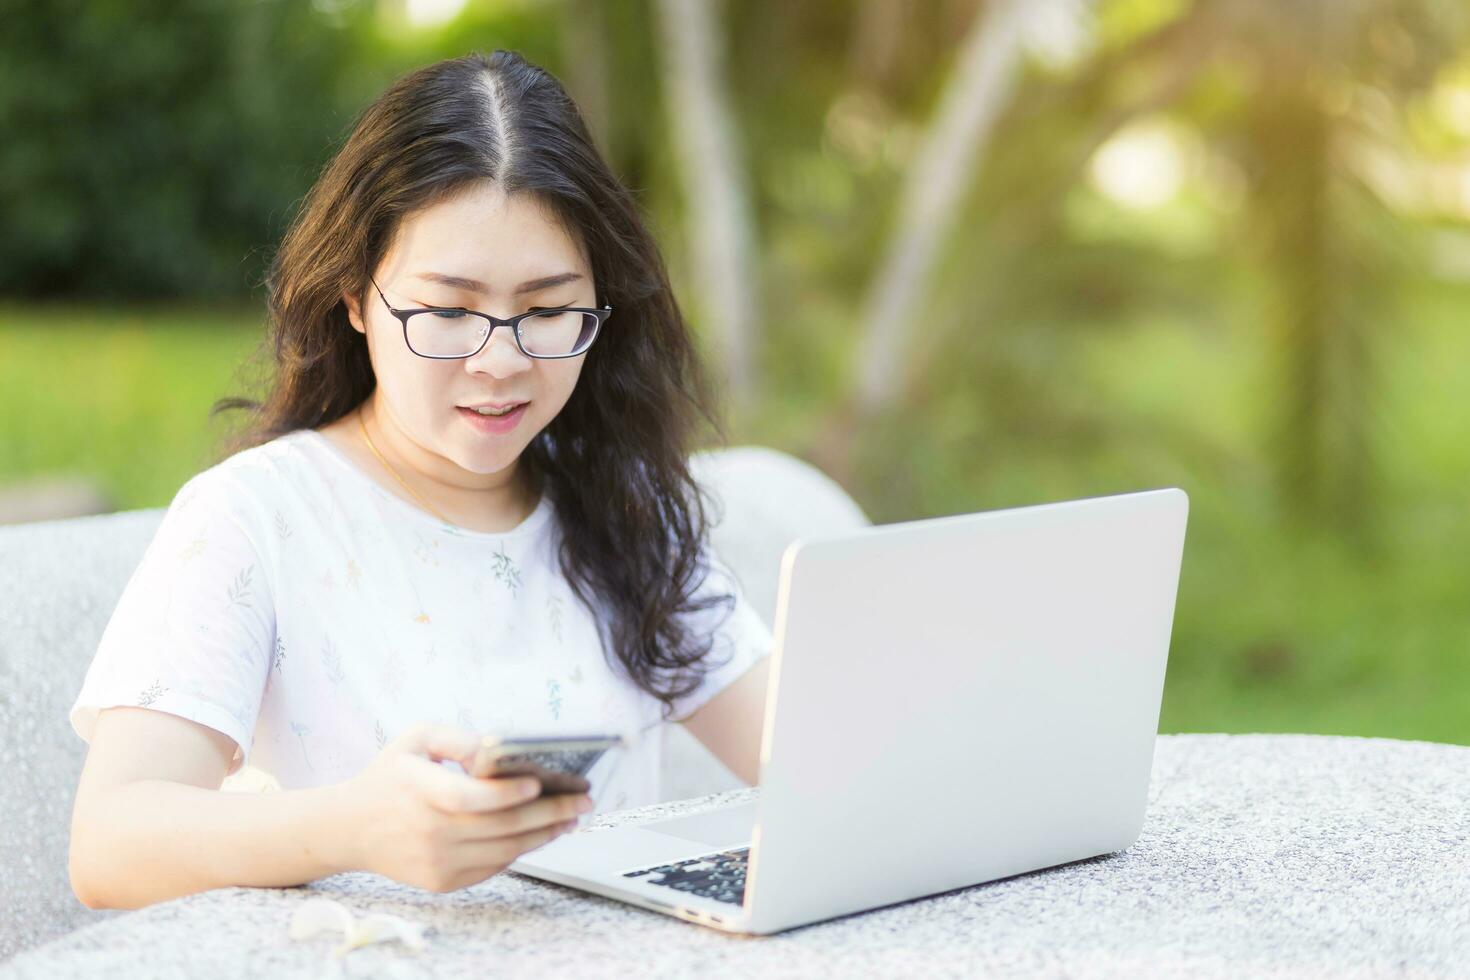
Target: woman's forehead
(486, 241)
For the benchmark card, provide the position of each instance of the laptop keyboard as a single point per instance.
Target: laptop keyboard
(719, 876)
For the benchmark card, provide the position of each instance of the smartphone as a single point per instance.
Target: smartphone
(560, 762)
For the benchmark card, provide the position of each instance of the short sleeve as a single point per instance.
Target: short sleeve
(194, 630)
(739, 639)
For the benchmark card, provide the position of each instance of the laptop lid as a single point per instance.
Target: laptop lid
(961, 699)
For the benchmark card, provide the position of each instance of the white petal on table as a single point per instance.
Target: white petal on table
(323, 914)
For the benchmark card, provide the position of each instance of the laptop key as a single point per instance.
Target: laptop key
(720, 877)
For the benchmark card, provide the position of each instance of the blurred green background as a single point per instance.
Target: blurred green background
(1218, 245)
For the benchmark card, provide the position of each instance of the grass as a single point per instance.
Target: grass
(1279, 627)
(120, 398)
(1286, 627)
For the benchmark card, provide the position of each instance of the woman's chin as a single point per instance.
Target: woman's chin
(482, 460)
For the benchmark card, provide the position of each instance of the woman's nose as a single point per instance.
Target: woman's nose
(500, 356)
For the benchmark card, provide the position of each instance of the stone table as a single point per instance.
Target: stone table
(1261, 856)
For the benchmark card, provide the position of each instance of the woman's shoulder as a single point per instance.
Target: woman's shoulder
(257, 483)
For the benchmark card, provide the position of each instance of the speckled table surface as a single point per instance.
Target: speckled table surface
(1261, 856)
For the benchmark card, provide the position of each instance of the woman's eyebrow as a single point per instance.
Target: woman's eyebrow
(474, 285)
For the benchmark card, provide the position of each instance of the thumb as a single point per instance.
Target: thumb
(441, 742)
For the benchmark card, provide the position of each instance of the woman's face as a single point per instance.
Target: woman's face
(501, 249)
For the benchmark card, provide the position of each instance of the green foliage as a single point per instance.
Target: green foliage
(156, 148)
(1268, 338)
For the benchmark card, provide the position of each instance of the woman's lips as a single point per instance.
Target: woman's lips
(493, 423)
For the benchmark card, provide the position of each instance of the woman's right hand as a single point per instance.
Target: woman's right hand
(425, 824)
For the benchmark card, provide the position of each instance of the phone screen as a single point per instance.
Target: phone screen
(560, 764)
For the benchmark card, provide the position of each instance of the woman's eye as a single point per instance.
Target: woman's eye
(448, 314)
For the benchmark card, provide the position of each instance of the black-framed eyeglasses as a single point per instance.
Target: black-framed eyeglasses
(453, 332)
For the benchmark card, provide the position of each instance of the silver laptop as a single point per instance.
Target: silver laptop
(951, 701)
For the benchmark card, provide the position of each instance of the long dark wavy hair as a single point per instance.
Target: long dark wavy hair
(614, 461)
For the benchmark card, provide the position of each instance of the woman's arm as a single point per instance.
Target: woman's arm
(730, 723)
(150, 822)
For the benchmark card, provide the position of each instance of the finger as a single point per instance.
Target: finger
(454, 792)
(440, 742)
(551, 780)
(503, 850)
(545, 812)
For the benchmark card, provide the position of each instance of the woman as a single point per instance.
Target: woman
(463, 506)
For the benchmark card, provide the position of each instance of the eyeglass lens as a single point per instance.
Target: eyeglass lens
(445, 333)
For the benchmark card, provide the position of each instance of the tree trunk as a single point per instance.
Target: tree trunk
(942, 173)
(584, 37)
(701, 123)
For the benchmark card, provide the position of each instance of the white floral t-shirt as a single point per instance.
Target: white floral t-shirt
(292, 603)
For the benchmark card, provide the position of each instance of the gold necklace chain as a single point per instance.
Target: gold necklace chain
(401, 481)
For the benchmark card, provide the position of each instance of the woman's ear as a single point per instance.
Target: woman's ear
(354, 313)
